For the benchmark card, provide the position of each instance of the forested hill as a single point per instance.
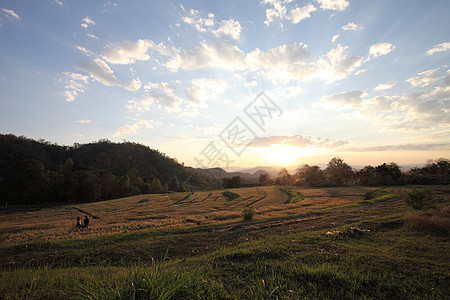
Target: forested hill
(39, 171)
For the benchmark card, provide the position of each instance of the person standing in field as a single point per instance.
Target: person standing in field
(86, 221)
(78, 222)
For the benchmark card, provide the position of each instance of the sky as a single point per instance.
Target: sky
(232, 83)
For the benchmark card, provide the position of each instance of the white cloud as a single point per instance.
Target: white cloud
(226, 28)
(300, 13)
(74, 84)
(424, 78)
(351, 27)
(59, 2)
(127, 52)
(229, 28)
(223, 56)
(83, 121)
(295, 141)
(339, 5)
(84, 50)
(279, 11)
(87, 22)
(442, 47)
(8, 15)
(91, 36)
(385, 86)
(202, 90)
(343, 100)
(428, 109)
(164, 94)
(133, 85)
(380, 49)
(362, 71)
(335, 37)
(134, 128)
(99, 71)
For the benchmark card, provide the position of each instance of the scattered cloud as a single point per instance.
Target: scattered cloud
(295, 141)
(424, 78)
(128, 52)
(222, 56)
(59, 2)
(83, 121)
(343, 100)
(230, 28)
(91, 36)
(101, 72)
(133, 128)
(335, 37)
(226, 28)
(442, 47)
(339, 5)
(401, 147)
(300, 13)
(351, 27)
(84, 50)
(385, 86)
(380, 49)
(202, 90)
(165, 94)
(280, 10)
(74, 84)
(8, 15)
(87, 22)
(362, 71)
(428, 109)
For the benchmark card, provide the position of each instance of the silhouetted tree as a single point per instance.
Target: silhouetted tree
(338, 172)
(310, 176)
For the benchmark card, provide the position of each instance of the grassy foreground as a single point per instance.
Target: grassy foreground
(363, 247)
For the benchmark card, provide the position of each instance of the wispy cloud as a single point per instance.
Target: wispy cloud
(8, 15)
(295, 141)
(385, 86)
(351, 27)
(74, 84)
(338, 5)
(87, 22)
(380, 49)
(424, 78)
(442, 47)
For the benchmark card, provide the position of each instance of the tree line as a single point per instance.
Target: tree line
(38, 171)
(339, 173)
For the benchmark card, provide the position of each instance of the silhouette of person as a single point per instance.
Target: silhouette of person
(78, 222)
(86, 221)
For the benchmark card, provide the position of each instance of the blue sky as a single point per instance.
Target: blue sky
(368, 81)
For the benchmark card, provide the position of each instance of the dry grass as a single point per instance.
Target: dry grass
(165, 210)
(432, 221)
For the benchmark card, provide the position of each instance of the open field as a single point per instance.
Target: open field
(197, 246)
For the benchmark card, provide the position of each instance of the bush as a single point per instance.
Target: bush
(248, 213)
(419, 198)
(434, 221)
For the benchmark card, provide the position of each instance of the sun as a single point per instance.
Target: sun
(282, 154)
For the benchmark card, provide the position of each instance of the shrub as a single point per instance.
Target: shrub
(435, 221)
(248, 213)
(419, 198)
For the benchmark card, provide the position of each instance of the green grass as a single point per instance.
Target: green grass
(295, 261)
(230, 195)
(293, 197)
